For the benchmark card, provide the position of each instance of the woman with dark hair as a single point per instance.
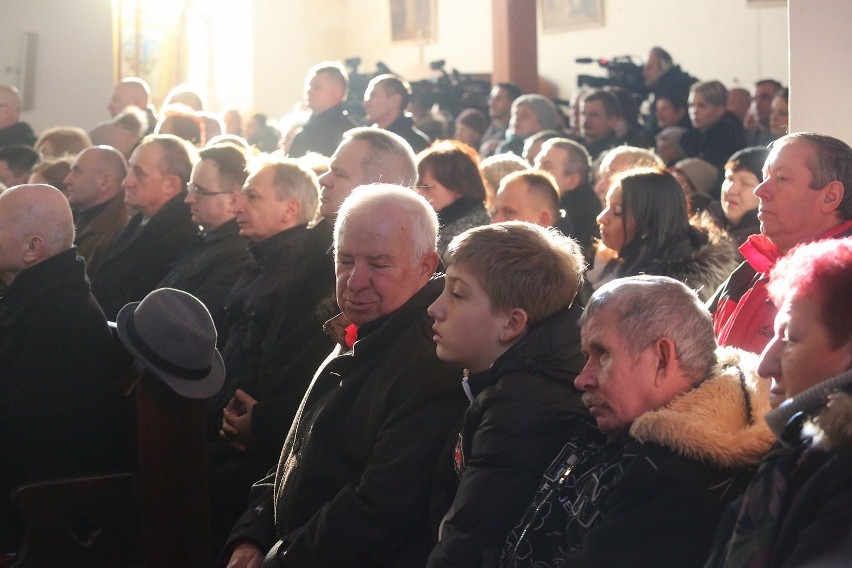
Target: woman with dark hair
(645, 226)
(448, 177)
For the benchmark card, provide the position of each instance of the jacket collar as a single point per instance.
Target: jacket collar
(270, 248)
(720, 420)
(62, 271)
(542, 350)
(788, 420)
(226, 230)
(762, 255)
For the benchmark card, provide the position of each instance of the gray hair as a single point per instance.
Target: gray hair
(387, 197)
(390, 159)
(713, 92)
(178, 155)
(831, 161)
(651, 307)
(294, 181)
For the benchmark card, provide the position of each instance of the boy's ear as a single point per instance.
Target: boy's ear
(515, 326)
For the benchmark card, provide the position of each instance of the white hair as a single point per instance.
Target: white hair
(387, 197)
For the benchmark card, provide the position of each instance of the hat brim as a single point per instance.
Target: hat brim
(202, 388)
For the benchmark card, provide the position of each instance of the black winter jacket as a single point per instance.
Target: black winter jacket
(60, 411)
(210, 266)
(525, 409)
(139, 257)
(360, 473)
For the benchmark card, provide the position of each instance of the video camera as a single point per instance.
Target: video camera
(452, 91)
(623, 71)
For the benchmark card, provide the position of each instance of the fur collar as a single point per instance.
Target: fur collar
(702, 266)
(715, 422)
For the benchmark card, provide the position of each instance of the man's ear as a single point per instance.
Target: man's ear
(428, 265)
(34, 249)
(666, 352)
(576, 180)
(292, 210)
(545, 219)
(515, 326)
(173, 185)
(832, 196)
(397, 100)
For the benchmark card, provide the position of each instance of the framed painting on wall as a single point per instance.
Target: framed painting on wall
(557, 15)
(413, 20)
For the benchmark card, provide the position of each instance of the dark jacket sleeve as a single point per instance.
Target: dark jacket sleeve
(365, 521)
(257, 525)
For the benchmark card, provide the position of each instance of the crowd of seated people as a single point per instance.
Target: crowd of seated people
(525, 343)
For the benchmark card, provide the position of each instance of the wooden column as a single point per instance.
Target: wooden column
(515, 43)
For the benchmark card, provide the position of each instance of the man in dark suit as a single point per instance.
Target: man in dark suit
(216, 258)
(257, 408)
(385, 101)
(141, 254)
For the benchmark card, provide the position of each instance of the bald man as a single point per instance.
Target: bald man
(59, 414)
(133, 91)
(12, 129)
(96, 196)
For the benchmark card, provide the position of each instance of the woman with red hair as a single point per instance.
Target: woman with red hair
(797, 510)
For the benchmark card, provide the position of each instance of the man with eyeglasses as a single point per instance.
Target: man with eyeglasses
(216, 258)
(141, 254)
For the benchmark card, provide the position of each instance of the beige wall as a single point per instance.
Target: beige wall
(73, 78)
(819, 70)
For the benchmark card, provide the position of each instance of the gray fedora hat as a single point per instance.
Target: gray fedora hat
(172, 334)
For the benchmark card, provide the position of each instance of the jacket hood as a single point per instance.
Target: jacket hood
(720, 421)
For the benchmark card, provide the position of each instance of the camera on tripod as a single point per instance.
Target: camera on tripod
(623, 71)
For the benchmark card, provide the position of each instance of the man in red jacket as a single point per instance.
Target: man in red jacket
(806, 195)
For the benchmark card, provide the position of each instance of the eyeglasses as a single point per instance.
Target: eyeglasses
(201, 192)
(423, 187)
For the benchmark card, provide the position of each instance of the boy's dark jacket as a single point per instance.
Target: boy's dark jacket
(524, 409)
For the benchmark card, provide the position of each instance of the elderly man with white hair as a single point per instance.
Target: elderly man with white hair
(363, 469)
